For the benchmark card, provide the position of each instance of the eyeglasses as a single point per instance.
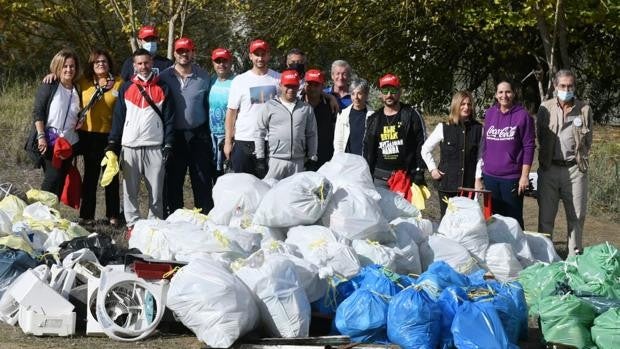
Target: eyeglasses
(220, 61)
(389, 90)
(101, 61)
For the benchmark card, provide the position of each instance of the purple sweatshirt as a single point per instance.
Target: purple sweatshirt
(508, 142)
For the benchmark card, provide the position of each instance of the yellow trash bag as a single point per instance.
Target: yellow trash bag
(45, 197)
(13, 207)
(110, 161)
(16, 243)
(419, 195)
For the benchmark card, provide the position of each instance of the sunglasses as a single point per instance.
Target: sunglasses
(389, 90)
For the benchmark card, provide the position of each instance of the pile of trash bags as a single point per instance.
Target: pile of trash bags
(440, 308)
(272, 253)
(577, 300)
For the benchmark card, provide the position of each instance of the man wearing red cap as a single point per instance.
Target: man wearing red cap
(290, 128)
(325, 118)
(394, 136)
(189, 87)
(248, 93)
(218, 102)
(147, 39)
(143, 126)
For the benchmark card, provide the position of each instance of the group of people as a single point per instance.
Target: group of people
(162, 118)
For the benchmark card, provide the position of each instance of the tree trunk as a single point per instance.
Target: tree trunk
(561, 18)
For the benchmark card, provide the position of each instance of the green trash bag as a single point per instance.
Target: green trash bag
(540, 280)
(566, 320)
(600, 263)
(606, 329)
(581, 287)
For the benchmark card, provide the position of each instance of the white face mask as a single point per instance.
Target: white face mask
(566, 96)
(150, 46)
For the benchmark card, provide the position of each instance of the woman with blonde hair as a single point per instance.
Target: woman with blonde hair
(55, 115)
(458, 139)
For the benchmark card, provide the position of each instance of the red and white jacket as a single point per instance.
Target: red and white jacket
(135, 123)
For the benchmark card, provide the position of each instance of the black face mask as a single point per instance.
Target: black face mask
(299, 67)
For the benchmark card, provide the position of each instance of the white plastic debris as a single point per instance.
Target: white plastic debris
(283, 304)
(217, 306)
(352, 214)
(236, 194)
(465, 224)
(296, 200)
(507, 230)
(502, 262)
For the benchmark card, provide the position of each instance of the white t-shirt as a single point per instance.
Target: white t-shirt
(289, 105)
(58, 110)
(248, 93)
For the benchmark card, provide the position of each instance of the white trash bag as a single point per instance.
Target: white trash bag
(185, 215)
(236, 194)
(408, 259)
(465, 224)
(541, 247)
(320, 246)
(296, 200)
(453, 253)
(502, 262)
(394, 206)
(216, 305)
(371, 252)
(503, 229)
(282, 301)
(346, 169)
(352, 214)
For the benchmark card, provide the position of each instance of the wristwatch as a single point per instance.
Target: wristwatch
(314, 158)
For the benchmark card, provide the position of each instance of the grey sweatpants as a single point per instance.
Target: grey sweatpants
(280, 169)
(571, 186)
(137, 163)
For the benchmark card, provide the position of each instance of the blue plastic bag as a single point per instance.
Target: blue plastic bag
(414, 320)
(477, 325)
(12, 264)
(449, 300)
(439, 276)
(363, 317)
(515, 292)
(378, 279)
(334, 296)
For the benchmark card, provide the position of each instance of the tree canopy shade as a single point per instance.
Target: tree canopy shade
(435, 46)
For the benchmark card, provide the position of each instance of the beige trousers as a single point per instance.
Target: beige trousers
(571, 186)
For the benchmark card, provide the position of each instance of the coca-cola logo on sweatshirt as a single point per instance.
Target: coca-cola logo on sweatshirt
(501, 134)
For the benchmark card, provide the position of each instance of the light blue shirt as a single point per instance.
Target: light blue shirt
(218, 103)
(190, 97)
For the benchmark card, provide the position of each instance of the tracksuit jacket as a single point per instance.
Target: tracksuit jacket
(291, 136)
(135, 123)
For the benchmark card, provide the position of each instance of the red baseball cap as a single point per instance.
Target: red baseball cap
(147, 31)
(258, 44)
(221, 53)
(315, 75)
(389, 80)
(184, 43)
(289, 78)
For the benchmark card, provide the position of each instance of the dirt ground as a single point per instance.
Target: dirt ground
(598, 229)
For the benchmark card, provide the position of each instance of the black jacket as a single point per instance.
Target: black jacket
(413, 136)
(459, 155)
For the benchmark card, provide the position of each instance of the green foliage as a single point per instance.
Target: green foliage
(435, 46)
(604, 172)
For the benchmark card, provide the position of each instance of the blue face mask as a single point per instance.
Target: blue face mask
(566, 96)
(150, 46)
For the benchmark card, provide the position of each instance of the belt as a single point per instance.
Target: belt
(564, 163)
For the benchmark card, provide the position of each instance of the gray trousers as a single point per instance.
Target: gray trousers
(280, 169)
(571, 186)
(137, 163)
